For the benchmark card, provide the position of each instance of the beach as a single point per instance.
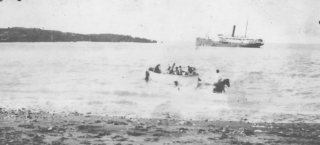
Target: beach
(97, 93)
(27, 127)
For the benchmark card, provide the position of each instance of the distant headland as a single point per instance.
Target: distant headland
(20, 34)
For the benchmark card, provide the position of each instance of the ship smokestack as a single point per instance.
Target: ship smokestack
(234, 28)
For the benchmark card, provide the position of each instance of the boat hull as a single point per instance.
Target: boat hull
(209, 42)
(170, 79)
(252, 45)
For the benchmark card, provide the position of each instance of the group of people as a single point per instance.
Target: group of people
(191, 71)
(176, 70)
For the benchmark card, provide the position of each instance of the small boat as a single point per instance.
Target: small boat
(183, 80)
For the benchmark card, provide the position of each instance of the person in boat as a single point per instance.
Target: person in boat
(157, 69)
(180, 70)
(176, 72)
(169, 69)
(171, 72)
(194, 73)
(189, 70)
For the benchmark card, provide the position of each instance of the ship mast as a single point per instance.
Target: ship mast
(245, 35)
(209, 28)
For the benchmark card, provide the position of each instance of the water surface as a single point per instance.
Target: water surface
(279, 82)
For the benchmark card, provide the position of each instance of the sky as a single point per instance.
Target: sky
(275, 21)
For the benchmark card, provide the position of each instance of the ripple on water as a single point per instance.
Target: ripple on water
(315, 76)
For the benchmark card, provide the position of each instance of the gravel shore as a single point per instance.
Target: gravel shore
(23, 126)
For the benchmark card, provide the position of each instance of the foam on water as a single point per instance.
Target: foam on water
(275, 83)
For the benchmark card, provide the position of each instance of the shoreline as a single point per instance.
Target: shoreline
(26, 127)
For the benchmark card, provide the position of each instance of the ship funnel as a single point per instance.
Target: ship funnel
(234, 28)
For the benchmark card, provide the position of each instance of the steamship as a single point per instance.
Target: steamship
(230, 41)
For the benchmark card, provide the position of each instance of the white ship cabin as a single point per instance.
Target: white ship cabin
(239, 39)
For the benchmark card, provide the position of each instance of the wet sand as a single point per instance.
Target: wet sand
(26, 127)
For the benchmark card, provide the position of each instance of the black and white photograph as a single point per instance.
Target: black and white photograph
(159, 72)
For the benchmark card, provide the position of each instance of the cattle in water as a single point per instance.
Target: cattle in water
(219, 87)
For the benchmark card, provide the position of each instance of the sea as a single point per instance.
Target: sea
(275, 83)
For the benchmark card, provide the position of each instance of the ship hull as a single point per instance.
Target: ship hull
(209, 42)
(218, 44)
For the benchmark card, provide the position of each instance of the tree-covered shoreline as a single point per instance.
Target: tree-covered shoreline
(19, 34)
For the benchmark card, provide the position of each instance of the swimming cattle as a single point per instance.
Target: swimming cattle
(219, 87)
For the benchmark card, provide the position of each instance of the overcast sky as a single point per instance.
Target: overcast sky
(288, 21)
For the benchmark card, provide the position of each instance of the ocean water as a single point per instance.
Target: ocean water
(276, 83)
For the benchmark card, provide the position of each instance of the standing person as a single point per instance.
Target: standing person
(180, 70)
(176, 71)
(218, 77)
